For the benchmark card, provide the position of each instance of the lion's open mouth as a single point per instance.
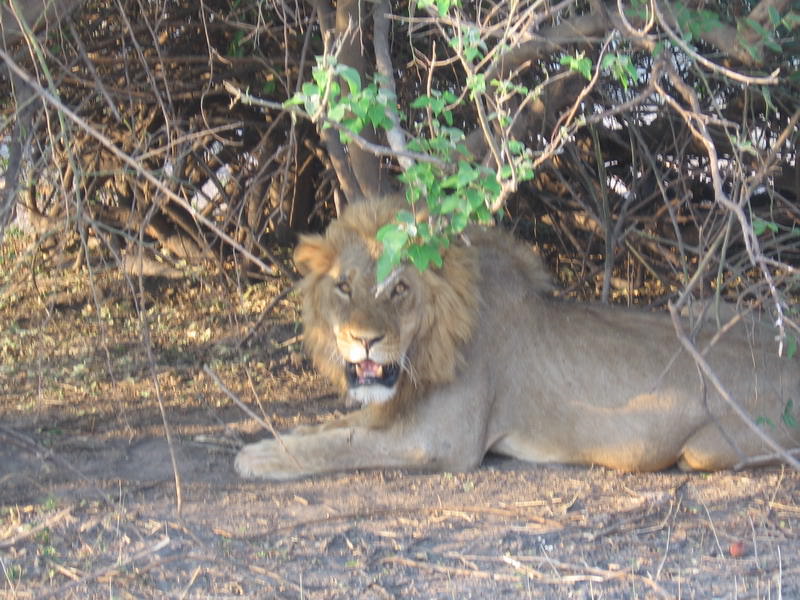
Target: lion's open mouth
(368, 372)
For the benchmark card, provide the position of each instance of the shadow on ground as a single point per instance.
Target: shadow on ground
(89, 499)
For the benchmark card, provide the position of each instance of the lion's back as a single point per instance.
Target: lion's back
(508, 268)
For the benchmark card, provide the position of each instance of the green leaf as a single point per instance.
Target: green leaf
(791, 346)
(638, 9)
(421, 102)
(376, 114)
(791, 20)
(451, 203)
(630, 69)
(417, 256)
(235, 47)
(417, 145)
(359, 105)
(466, 174)
(462, 149)
(471, 53)
(393, 238)
(436, 257)
(385, 265)
(437, 105)
(474, 199)
(449, 182)
(774, 16)
(760, 226)
(765, 421)
(787, 417)
(448, 117)
(525, 173)
(406, 217)
(459, 222)
(309, 89)
(321, 77)
(705, 20)
(766, 37)
(621, 67)
(491, 185)
(355, 124)
(295, 100)
(336, 113)
(757, 27)
(580, 63)
(351, 76)
(483, 215)
(421, 256)
(476, 84)
(268, 87)
(515, 146)
(765, 91)
(335, 91)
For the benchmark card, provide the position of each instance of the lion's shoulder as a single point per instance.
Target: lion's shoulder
(507, 262)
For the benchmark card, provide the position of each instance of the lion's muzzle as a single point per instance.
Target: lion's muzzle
(368, 372)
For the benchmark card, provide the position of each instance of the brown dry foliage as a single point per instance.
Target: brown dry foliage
(120, 126)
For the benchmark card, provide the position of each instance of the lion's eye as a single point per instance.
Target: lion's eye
(344, 288)
(399, 289)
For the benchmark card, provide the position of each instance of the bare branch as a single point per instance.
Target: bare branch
(369, 172)
(130, 161)
(723, 38)
(358, 140)
(383, 62)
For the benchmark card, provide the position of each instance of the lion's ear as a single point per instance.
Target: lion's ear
(313, 254)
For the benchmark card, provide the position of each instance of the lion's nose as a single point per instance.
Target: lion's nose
(368, 342)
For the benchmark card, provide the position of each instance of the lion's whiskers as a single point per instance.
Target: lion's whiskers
(408, 368)
(335, 356)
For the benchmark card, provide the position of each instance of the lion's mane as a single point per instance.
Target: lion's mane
(448, 320)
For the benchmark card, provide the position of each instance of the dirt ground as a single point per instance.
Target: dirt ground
(90, 507)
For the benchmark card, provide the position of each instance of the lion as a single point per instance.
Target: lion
(479, 355)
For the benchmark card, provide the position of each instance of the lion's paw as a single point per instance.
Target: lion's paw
(266, 459)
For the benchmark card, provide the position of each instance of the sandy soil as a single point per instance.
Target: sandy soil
(89, 506)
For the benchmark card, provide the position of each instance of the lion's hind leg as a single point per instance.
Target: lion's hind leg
(709, 449)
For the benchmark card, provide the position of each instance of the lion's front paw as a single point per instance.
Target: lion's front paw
(266, 459)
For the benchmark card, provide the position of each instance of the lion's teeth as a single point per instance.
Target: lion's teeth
(369, 368)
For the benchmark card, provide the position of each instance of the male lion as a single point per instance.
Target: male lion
(476, 356)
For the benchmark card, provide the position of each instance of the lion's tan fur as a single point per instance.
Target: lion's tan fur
(493, 362)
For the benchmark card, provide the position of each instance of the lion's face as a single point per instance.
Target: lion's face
(373, 338)
(373, 325)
